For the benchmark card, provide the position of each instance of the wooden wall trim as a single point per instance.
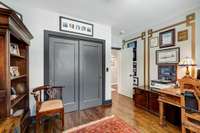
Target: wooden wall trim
(145, 64)
(170, 26)
(193, 47)
(190, 21)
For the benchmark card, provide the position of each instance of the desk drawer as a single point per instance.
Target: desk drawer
(170, 99)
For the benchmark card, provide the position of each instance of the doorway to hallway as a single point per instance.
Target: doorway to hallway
(115, 68)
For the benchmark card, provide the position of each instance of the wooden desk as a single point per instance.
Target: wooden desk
(170, 96)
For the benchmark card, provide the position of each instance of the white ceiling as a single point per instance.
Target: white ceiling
(127, 15)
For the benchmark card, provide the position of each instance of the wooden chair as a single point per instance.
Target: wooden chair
(190, 104)
(50, 105)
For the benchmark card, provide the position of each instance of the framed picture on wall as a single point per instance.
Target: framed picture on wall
(75, 26)
(183, 35)
(168, 56)
(167, 72)
(153, 42)
(167, 38)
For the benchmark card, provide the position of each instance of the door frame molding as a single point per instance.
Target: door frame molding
(48, 34)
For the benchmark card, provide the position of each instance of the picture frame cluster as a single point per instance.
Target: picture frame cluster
(168, 38)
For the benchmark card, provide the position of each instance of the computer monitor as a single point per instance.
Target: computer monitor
(198, 74)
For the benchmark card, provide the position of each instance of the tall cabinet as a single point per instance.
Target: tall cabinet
(14, 67)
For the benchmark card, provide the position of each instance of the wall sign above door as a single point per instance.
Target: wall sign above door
(75, 26)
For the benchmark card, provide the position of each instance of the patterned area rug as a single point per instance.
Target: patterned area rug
(109, 124)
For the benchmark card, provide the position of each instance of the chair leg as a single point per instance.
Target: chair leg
(62, 118)
(183, 129)
(37, 129)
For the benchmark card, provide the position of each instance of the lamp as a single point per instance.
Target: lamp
(187, 62)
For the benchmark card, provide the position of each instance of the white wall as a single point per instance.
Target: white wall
(38, 20)
(116, 41)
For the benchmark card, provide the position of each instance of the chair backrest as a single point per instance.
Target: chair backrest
(190, 90)
(46, 92)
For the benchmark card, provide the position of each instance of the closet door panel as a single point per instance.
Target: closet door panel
(90, 74)
(63, 70)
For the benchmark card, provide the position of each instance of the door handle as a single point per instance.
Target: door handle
(131, 75)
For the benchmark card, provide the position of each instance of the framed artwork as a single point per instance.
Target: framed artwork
(75, 26)
(183, 35)
(135, 81)
(167, 72)
(154, 42)
(168, 56)
(167, 38)
(14, 71)
(14, 49)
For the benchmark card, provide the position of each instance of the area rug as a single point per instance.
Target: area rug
(111, 124)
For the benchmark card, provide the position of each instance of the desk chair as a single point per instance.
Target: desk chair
(50, 105)
(190, 104)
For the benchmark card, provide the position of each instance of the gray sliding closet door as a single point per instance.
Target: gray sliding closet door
(90, 80)
(63, 69)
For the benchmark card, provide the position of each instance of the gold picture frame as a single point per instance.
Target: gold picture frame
(183, 35)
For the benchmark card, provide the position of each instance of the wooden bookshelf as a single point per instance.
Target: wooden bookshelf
(14, 53)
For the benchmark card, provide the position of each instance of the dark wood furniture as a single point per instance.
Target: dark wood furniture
(146, 98)
(12, 30)
(190, 104)
(50, 105)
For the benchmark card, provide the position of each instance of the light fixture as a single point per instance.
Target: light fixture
(187, 62)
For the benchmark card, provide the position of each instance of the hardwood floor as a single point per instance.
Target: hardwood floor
(124, 108)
